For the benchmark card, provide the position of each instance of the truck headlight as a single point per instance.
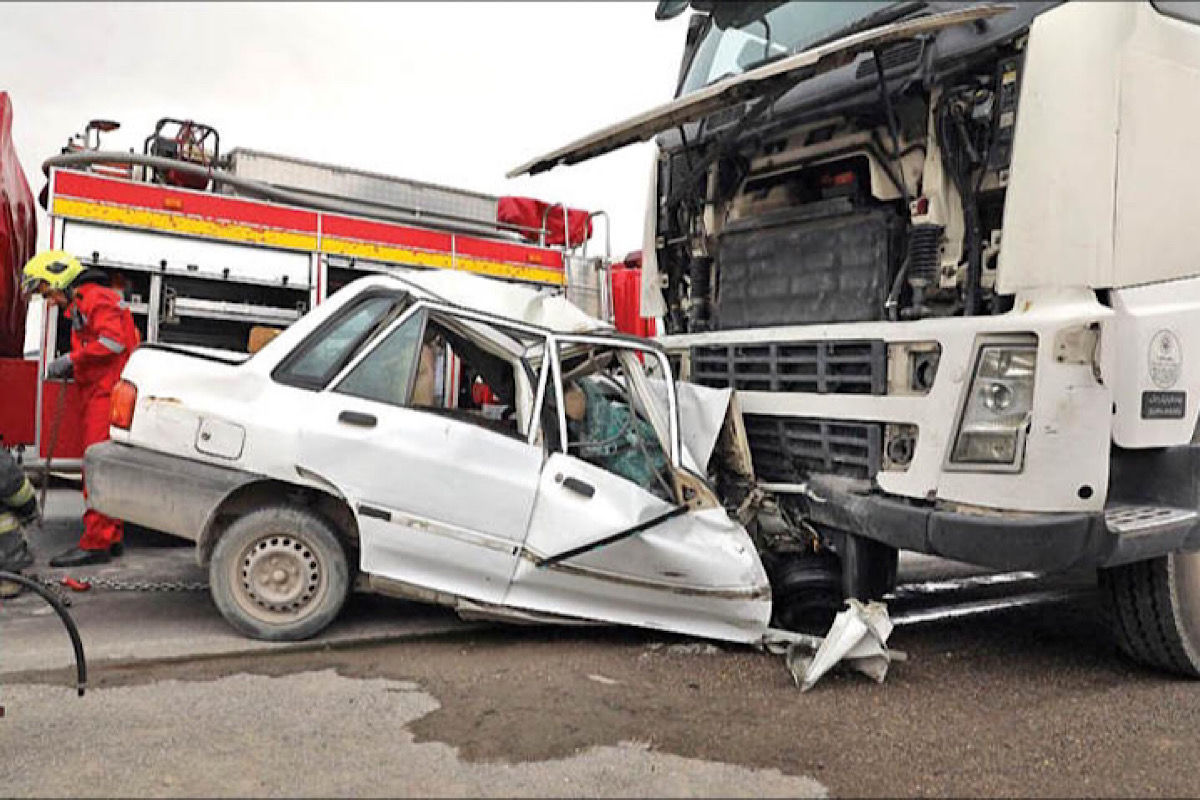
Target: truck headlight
(997, 410)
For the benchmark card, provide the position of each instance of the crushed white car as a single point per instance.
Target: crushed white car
(557, 485)
(340, 456)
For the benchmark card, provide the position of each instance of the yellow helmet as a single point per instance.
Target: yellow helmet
(57, 268)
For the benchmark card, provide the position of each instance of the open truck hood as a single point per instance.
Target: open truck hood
(755, 82)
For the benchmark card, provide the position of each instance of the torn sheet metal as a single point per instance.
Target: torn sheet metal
(857, 638)
(702, 412)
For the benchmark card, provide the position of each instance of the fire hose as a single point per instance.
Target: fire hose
(64, 615)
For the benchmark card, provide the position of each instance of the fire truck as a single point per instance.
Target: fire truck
(216, 251)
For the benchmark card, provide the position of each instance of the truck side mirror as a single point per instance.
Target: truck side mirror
(670, 9)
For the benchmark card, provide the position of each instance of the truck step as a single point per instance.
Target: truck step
(1133, 520)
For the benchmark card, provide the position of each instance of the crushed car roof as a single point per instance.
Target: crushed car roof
(538, 307)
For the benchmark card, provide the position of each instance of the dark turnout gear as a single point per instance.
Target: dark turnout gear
(16, 493)
(18, 506)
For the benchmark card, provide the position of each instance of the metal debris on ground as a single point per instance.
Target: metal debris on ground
(857, 638)
(602, 679)
(693, 649)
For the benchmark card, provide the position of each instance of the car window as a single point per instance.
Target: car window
(606, 423)
(386, 373)
(435, 362)
(464, 373)
(330, 346)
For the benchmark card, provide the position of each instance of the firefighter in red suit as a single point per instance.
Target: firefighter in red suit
(102, 337)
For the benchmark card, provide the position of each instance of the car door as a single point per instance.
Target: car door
(441, 503)
(602, 546)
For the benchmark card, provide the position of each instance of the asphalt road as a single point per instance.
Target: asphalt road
(1011, 688)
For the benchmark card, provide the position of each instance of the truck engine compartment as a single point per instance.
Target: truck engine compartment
(891, 209)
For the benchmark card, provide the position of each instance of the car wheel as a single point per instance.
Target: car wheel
(1153, 609)
(279, 573)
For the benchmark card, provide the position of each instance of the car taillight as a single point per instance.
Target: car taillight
(124, 398)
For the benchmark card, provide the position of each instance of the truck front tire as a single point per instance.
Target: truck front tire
(1153, 609)
(279, 574)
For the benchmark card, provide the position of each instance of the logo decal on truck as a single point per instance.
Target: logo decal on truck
(1165, 359)
(1164, 405)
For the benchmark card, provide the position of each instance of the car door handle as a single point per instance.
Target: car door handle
(575, 485)
(355, 418)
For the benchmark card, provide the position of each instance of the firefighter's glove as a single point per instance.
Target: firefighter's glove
(61, 368)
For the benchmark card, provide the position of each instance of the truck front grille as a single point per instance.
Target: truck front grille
(823, 367)
(786, 449)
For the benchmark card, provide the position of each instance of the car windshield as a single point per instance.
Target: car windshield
(782, 31)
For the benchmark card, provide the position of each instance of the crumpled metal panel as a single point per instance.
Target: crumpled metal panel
(857, 638)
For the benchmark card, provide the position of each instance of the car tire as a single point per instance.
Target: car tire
(1153, 609)
(279, 574)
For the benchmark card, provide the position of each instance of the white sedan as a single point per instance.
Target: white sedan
(438, 437)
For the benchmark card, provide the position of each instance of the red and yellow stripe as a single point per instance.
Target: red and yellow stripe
(123, 203)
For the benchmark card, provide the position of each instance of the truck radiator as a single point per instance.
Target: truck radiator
(823, 367)
(787, 449)
(801, 266)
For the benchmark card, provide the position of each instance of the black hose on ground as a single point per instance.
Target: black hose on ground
(64, 615)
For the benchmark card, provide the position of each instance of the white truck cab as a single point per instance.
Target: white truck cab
(945, 255)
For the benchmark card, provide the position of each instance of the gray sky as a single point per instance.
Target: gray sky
(452, 93)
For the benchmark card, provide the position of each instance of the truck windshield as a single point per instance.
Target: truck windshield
(784, 30)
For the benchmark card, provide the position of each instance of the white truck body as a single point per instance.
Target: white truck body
(944, 254)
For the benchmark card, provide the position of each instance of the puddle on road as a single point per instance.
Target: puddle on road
(312, 733)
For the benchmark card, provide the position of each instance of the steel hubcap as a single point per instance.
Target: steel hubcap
(280, 574)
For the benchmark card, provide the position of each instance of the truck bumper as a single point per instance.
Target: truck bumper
(1041, 542)
(164, 492)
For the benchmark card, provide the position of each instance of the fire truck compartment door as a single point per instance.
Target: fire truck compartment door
(187, 256)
